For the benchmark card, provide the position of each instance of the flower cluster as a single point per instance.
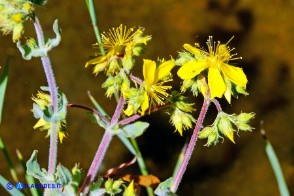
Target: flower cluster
(152, 90)
(42, 110)
(121, 45)
(13, 13)
(223, 79)
(224, 125)
(180, 112)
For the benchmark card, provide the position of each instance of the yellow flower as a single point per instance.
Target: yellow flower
(216, 61)
(43, 102)
(13, 13)
(154, 78)
(44, 125)
(119, 43)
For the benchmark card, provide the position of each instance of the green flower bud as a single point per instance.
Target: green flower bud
(205, 132)
(114, 67)
(225, 127)
(186, 84)
(212, 139)
(184, 57)
(241, 90)
(112, 187)
(245, 117)
(137, 50)
(244, 126)
(181, 120)
(113, 84)
(117, 184)
(31, 42)
(128, 63)
(184, 106)
(108, 185)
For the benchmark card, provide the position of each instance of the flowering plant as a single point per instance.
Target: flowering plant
(208, 73)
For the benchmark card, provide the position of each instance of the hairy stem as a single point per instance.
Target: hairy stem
(177, 179)
(217, 105)
(104, 144)
(54, 100)
(103, 118)
(129, 120)
(96, 163)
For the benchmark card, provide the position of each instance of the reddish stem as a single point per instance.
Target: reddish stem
(177, 179)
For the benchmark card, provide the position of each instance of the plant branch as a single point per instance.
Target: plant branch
(54, 100)
(72, 105)
(104, 144)
(178, 177)
(217, 105)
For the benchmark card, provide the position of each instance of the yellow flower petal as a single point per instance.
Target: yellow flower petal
(130, 190)
(129, 111)
(61, 135)
(202, 85)
(228, 96)
(164, 69)
(192, 49)
(228, 93)
(145, 104)
(17, 32)
(97, 60)
(235, 74)
(149, 68)
(191, 69)
(41, 122)
(230, 134)
(216, 83)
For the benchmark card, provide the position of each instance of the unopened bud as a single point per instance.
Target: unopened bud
(205, 132)
(225, 127)
(245, 117)
(212, 139)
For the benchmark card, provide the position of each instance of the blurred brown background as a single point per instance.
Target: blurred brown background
(263, 33)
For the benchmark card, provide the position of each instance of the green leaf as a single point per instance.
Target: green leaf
(276, 168)
(3, 84)
(7, 185)
(39, 2)
(63, 175)
(76, 176)
(135, 129)
(163, 188)
(37, 111)
(95, 188)
(33, 168)
(28, 52)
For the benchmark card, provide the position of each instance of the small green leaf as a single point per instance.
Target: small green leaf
(76, 176)
(135, 129)
(95, 188)
(37, 111)
(163, 188)
(3, 84)
(33, 167)
(51, 43)
(28, 51)
(112, 187)
(274, 161)
(63, 175)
